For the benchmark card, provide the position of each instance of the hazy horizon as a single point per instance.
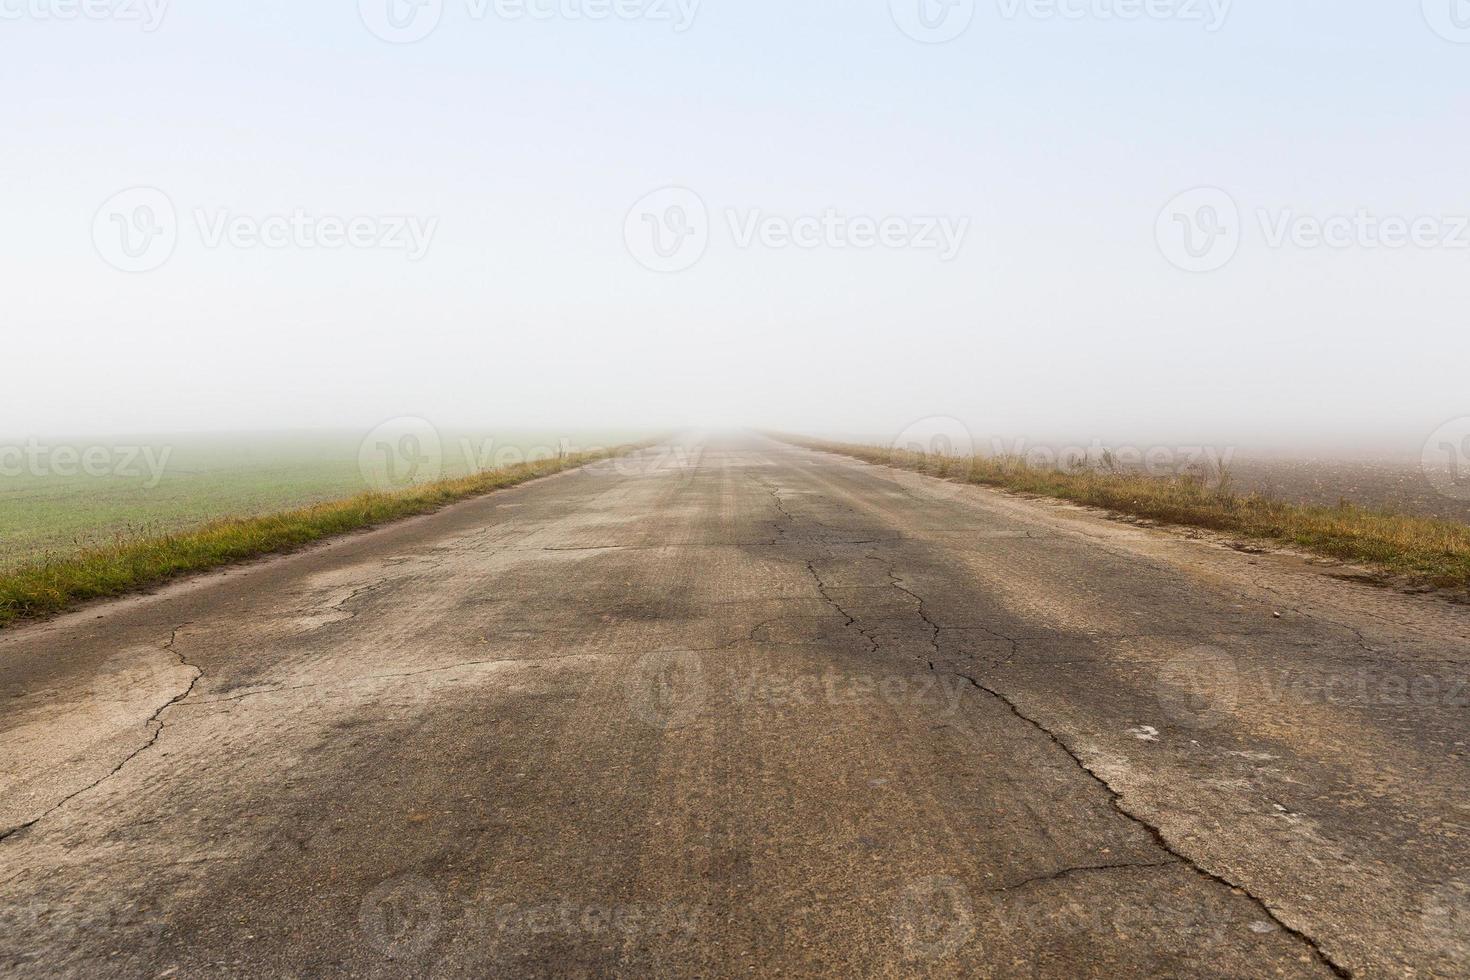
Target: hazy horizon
(985, 441)
(789, 217)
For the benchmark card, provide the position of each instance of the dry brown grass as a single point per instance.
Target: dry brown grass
(1424, 550)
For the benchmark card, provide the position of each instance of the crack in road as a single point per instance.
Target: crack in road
(897, 582)
(154, 721)
(1083, 869)
(893, 615)
(786, 515)
(1114, 795)
(341, 604)
(1157, 833)
(851, 621)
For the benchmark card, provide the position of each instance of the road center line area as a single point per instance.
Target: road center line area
(748, 710)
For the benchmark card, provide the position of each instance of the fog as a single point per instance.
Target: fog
(829, 217)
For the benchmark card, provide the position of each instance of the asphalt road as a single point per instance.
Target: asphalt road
(742, 709)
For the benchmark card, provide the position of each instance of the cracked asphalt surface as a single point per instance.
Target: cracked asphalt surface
(742, 708)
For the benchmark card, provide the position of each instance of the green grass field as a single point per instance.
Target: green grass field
(172, 484)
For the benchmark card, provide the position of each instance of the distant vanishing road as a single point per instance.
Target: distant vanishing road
(745, 710)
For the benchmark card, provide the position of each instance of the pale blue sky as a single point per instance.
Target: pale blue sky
(529, 141)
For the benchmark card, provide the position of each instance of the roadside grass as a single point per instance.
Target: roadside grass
(166, 483)
(52, 585)
(1423, 550)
